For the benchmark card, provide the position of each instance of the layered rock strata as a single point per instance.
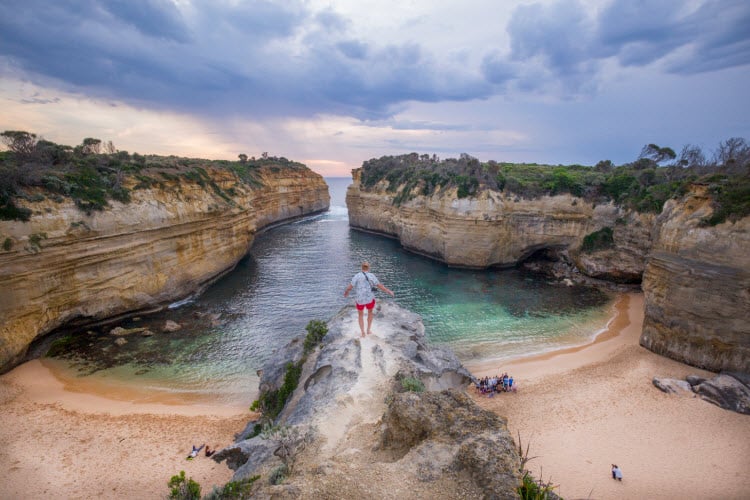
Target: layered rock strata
(501, 229)
(696, 283)
(697, 287)
(350, 421)
(66, 266)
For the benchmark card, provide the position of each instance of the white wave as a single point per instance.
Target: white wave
(180, 303)
(337, 210)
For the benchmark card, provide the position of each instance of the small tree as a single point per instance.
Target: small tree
(19, 142)
(91, 146)
(242, 157)
(656, 153)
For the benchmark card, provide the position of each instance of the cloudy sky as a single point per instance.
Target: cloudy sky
(332, 83)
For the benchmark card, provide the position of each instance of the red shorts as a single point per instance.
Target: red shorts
(369, 306)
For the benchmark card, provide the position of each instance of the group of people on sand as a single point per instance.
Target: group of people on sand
(498, 383)
(197, 449)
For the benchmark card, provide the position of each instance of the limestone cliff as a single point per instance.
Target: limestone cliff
(350, 422)
(501, 229)
(172, 239)
(697, 287)
(696, 283)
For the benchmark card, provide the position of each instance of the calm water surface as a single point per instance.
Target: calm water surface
(297, 272)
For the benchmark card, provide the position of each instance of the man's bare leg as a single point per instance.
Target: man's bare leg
(361, 321)
(369, 320)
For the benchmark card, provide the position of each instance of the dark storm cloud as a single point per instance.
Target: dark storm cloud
(262, 58)
(255, 58)
(570, 46)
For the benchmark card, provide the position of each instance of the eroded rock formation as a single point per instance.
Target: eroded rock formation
(353, 423)
(167, 243)
(697, 287)
(696, 282)
(502, 229)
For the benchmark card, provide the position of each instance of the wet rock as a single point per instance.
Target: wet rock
(121, 341)
(146, 333)
(171, 326)
(672, 386)
(120, 331)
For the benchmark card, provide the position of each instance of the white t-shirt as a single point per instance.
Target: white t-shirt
(362, 289)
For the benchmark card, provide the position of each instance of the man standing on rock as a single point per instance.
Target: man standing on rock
(364, 284)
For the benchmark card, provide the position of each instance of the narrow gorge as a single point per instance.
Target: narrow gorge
(181, 229)
(695, 276)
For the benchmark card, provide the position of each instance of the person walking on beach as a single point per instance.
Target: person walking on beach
(363, 284)
(616, 472)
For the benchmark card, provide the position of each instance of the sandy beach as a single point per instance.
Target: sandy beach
(581, 409)
(59, 442)
(585, 408)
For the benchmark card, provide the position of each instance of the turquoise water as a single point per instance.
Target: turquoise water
(297, 272)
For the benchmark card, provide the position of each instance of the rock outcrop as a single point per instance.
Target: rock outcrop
(351, 422)
(728, 390)
(172, 239)
(697, 287)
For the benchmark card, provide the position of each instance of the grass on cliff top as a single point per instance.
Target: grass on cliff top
(642, 185)
(93, 173)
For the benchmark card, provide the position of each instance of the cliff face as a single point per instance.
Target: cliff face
(165, 244)
(696, 283)
(501, 229)
(697, 288)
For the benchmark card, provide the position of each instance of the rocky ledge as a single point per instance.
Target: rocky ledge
(386, 405)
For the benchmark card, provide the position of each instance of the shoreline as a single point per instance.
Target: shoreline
(584, 408)
(580, 408)
(623, 328)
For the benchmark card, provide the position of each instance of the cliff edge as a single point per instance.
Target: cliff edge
(176, 235)
(386, 405)
(694, 272)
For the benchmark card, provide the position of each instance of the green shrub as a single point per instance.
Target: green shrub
(316, 330)
(731, 199)
(240, 490)
(532, 489)
(7, 244)
(183, 489)
(412, 384)
(272, 402)
(598, 240)
(35, 241)
(9, 211)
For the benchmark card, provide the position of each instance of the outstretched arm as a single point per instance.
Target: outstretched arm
(348, 289)
(383, 288)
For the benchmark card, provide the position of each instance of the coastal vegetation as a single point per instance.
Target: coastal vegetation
(644, 185)
(598, 240)
(95, 172)
(270, 403)
(181, 488)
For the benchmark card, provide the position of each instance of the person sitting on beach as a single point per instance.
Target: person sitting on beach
(209, 451)
(195, 452)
